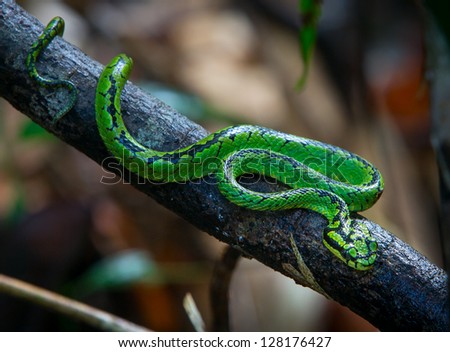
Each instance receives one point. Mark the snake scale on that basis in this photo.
(319, 177)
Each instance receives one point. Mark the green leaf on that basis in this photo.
(31, 130)
(121, 269)
(309, 13)
(187, 104)
(134, 266)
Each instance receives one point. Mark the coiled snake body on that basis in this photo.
(321, 177)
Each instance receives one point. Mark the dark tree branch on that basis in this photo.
(404, 291)
(438, 50)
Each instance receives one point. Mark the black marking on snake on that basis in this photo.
(331, 241)
(134, 148)
(191, 152)
(111, 109)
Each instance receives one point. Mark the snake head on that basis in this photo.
(357, 248)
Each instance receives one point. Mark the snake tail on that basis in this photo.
(54, 28)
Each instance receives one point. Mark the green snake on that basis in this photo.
(320, 177)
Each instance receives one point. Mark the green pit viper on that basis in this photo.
(320, 177)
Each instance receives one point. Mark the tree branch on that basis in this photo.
(404, 291)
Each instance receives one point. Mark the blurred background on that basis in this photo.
(218, 62)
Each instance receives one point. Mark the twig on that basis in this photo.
(193, 313)
(73, 309)
(220, 288)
